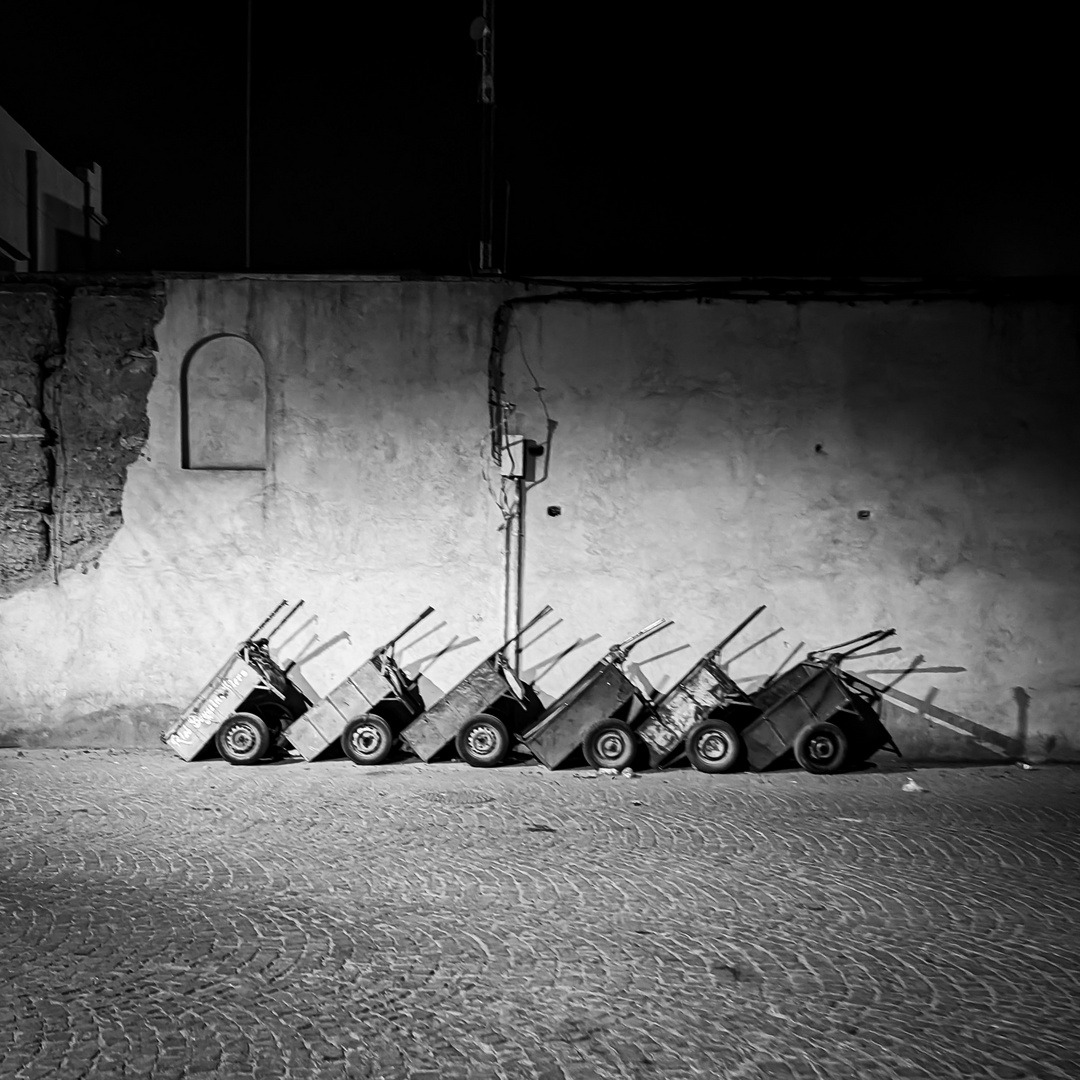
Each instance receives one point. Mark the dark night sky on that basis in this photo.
(635, 140)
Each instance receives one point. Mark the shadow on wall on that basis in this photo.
(548, 664)
(916, 723)
(1023, 700)
(430, 691)
(124, 727)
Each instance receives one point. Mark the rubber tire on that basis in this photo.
(721, 758)
(810, 742)
(491, 728)
(379, 751)
(599, 745)
(253, 741)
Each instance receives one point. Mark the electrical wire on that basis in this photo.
(507, 508)
(497, 434)
(537, 388)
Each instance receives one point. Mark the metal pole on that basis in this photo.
(247, 149)
(487, 139)
(508, 583)
(521, 489)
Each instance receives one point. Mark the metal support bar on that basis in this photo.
(485, 45)
(285, 619)
(739, 629)
(521, 488)
(266, 621)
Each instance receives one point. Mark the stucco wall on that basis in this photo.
(369, 510)
(709, 456)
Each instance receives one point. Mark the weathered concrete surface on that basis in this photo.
(372, 506)
(167, 920)
(76, 366)
(851, 465)
(28, 340)
(873, 464)
(98, 400)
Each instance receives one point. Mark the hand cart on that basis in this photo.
(594, 713)
(679, 721)
(826, 716)
(481, 715)
(245, 707)
(365, 713)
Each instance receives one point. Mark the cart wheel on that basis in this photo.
(713, 746)
(609, 744)
(368, 740)
(483, 741)
(821, 748)
(243, 739)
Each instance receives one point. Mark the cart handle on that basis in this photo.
(285, 620)
(850, 641)
(394, 640)
(618, 652)
(864, 641)
(880, 636)
(255, 633)
(531, 623)
(739, 629)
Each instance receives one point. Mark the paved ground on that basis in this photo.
(163, 919)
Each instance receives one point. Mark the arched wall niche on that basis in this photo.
(223, 406)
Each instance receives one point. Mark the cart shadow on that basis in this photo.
(426, 634)
(543, 633)
(416, 667)
(288, 759)
(306, 657)
(309, 622)
(924, 707)
(657, 688)
(752, 680)
(548, 664)
(752, 646)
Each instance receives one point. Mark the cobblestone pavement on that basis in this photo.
(163, 919)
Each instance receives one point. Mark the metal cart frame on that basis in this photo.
(828, 717)
(365, 713)
(245, 707)
(593, 714)
(706, 689)
(482, 715)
